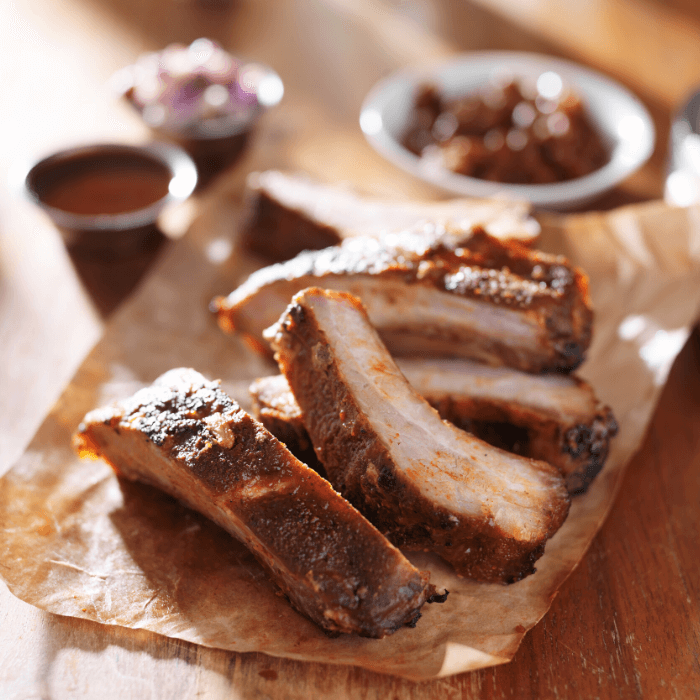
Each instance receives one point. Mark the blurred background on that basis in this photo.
(59, 56)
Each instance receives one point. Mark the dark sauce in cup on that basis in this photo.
(105, 182)
(105, 199)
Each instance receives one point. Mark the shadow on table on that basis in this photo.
(214, 674)
(110, 280)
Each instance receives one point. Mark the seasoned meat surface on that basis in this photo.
(426, 484)
(433, 292)
(552, 417)
(186, 437)
(276, 408)
(291, 212)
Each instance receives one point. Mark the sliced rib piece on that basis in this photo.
(186, 437)
(432, 292)
(276, 408)
(423, 482)
(552, 417)
(288, 213)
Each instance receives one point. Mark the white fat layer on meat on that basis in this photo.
(394, 306)
(449, 467)
(561, 397)
(391, 304)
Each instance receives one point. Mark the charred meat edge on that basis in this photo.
(431, 292)
(287, 213)
(186, 437)
(424, 483)
(554, 418)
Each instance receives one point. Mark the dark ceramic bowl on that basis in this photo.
(106, 199)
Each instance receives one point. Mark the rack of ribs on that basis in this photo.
(436, 292)
(551, 417)
(290, 212)
(423, 482)
(184, 435)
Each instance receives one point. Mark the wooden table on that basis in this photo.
(626, 624)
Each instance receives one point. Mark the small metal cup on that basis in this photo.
(120, 234)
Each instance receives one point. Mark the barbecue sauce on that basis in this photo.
(104, 182)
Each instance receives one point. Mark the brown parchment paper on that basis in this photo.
(76, 541)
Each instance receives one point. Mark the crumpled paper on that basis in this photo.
(77, 541)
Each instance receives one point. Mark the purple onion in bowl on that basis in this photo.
(201, 97)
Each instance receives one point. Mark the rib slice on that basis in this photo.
(276, 408)
(186, 437)
(423, 482)
(291, 212)
(555, 418)
(434, 292)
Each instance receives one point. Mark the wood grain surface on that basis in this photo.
(626, 624)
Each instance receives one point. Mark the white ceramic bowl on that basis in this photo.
(622, 120)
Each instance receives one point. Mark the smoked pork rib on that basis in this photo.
(276, 408)
(186, 437)
(552, 417)
(291, 212)
(433, 292)
(423, 482)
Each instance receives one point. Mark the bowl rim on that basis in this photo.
(626, 156)
(183, 180)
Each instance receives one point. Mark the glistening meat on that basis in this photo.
(552, 417)
(186, 437)
(436, 292)
(424, 483)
